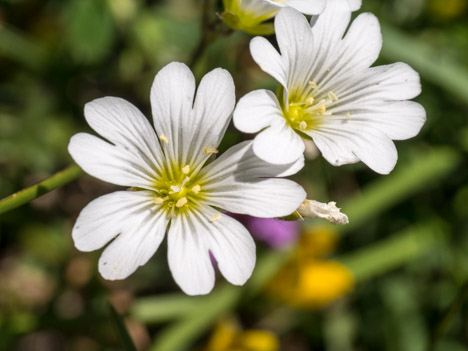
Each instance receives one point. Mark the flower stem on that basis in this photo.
(448, 318)
(211, 29)
(24, 196)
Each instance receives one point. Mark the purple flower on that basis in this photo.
(274, 232)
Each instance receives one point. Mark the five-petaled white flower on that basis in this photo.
(173, 184)
(329, 93)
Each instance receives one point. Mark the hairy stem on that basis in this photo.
(24, 196)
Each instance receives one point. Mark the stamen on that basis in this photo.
(186, 169)
(310, 101)
(209, 150)
(181, 202)
(332, 96)
(303, 125)
(215, 217)
(312, 85)
(196, 189)
(164, 139)
(322, 109)
(348, 115)
(158, 201)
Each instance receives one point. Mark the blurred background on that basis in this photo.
(395, 278)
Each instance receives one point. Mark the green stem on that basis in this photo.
(211, 30)
(448, 318)
(24, 196)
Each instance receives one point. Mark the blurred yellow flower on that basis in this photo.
(308, 280)
(317, 241)
(447, 9)
(228, 336)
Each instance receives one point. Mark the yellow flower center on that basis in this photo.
(307, 113)
(178, 189)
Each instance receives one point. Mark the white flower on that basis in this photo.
(173, 186)
(352, 112)
(250, 15)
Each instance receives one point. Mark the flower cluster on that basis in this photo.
(177, 184)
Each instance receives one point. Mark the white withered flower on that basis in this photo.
(173, 187)
(330, 94)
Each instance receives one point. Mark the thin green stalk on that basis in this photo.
(125, 338)
(448, 318)
(24, 196)
(211, 29)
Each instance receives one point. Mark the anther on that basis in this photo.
(158, 201)
(215, 217)
(312, 85)
(209, 150)
(164, 139)
(322, 109)
(303, 125)
(332, 96)
(310, 101)
(186, 169)
(196, 189)
(181, 202)
(348, 115)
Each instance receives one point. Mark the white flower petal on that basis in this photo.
(103, 218)
(268, 59)
(133, 248)
(235, 182)
(231, 245)
(172, 96)
(188, 256)
(279, 144)
(397, 81)
(343, 145)
(296, 42)
(130, 216)
(211, 115)
(308, 7)
(125, 126)
(354, 5)
(256, 110)
(398, 120)
(359, 49)
(110, 163)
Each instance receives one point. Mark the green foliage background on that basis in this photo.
(407, 241)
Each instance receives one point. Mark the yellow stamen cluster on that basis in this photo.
(177, 190)
(307, 114)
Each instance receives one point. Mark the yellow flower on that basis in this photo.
(228, 336)
(321, 282)
(447, 9)
(308, 280)
(317, 241)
